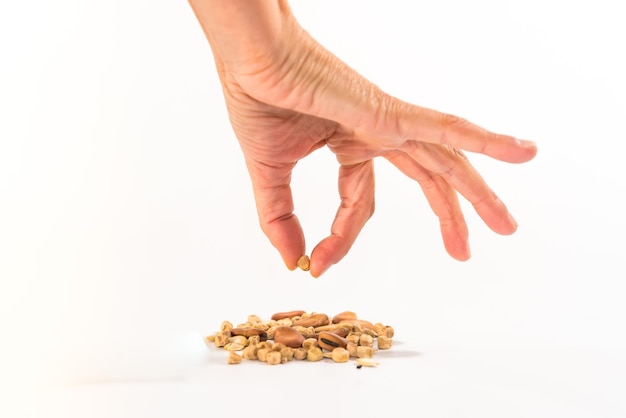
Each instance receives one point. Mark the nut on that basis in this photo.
(288, 336)
(340, 355)
(309, 342)
(286, 354)
(363, 351)
(304, 263)
(262, 353)
(234, 347)
(221, 338)
(273, 357)
(330, 341)
(249, 332)
(315, 320)
(352, 349)
(305, 331)
(366, 340)
(344, 316)
(314, 354)
(233, 358)
(354, 338)
(249, 353)
(283, 315)
(384, 343)
(300, 353)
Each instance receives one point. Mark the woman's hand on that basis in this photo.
(287, 96)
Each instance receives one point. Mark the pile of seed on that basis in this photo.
(300, 335)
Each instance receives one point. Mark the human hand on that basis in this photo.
(287, 96)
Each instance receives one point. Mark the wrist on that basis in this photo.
(245, 34)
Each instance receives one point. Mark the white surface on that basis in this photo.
(128, 229)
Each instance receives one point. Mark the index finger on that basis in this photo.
(274, 203)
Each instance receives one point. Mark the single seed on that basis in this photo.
(286, 354)
(330, 341)
(384, 343)
(249, 332)
(340, 355)
(304, 262)
(221, 338)
(249, 353)
(367, 362)
(261, 353)
(366, 340)
(363, 351)
(283, 315)
(314, 354)
(315, 320)
(288, 337)
(344, 316)
(273, 357)
(233, 347)
(299, 353)
(255, 319)
(234, 358)
(309, 342)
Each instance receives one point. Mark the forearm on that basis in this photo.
(244, 32)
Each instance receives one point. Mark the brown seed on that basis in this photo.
(315, 320)
(330, 341)
(283, 315)
(288, 336)
(358, 324)
(249, 332)
(342, 331)
(344, 316)
(304, 263)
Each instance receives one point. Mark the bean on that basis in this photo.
(288, 336)
(289, 314)
(330, 341)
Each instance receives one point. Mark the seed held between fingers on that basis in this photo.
(304, 263)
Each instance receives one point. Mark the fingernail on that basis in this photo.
(526, 143)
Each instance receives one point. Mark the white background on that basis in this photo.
(128, 229)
